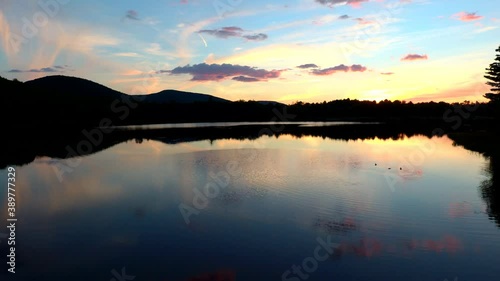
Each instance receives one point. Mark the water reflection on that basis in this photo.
(490, 188)
(26, 145)
(336, 227)
(487, 144)
(119, 207)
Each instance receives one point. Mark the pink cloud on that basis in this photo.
(356, 3)
(363, 21)
(339, 68)
(464, 16)
(472, 92)
(412, 57)
(217, 72)
(352, 3)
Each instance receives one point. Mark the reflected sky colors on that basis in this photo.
(395, 213)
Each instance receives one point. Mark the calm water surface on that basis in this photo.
(283, 208)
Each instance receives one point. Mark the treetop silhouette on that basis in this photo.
(493, 75)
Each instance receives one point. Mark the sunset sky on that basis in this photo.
(303, 50)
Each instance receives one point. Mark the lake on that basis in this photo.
(292, 206)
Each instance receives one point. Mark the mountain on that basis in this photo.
(57, 100)
(74, 86)
(173, 96)
(79, 87)
(270, 102)
(63, 100)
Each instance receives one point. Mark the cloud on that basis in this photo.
(308, 65)
(330, 3)
(182, 43)
(132, 72)
(246, 79)
(363, 21)
(217, 72)
(128, 54)
(339, 68)
(325, 19)
(343, 17)
(412, 57)
(358, 68)
(6, 36)
(81, 41)
(225, 32)
(472, 91)
(233, 28)
(485, 29)
(387, 73)
(464, 16)
(233, 31)
(55, 68)
(132, 15)
(256, 37)
(157, 50)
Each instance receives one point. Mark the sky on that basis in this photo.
(286, 51)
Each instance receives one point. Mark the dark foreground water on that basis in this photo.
(271, 208)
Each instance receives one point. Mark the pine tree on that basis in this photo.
(493, 75)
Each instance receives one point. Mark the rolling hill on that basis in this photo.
(74, 87)
(173, 96)
(64, 100)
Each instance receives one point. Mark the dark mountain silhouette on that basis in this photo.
(57, 100)
(74, 87)
(173, 96)
(72, 101)
(267, 102)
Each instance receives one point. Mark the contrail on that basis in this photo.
(206, 45)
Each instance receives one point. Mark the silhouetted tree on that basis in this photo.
(493, 75)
